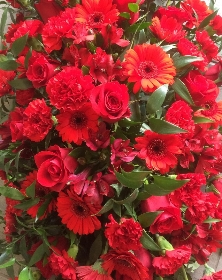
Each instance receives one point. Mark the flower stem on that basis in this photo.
(184, 273)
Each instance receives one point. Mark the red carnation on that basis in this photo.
(69, 89)
(125, 264)
(207, 44)
(74, 126)
(180, 114)
(213, 276)
(111, 101)
(62, 264)
(76, 214)
(16, 124)
(40, 69)
(167, 29)
(172, 261)
(96, 14)
(5, 77)
(54, 167)
(158, 150)
(37, 120)
(125, 235)
(216, 24)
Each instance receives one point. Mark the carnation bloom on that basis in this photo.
(216, 24)
(125, 264)
(62, 264)
(96, 13)
(37, 120)
(69, 89)
(167, 29)
(23, 97)
(125, 235)
(94, 272)
(5, 77)
(76, 214)
(73, 126)
(149, 67)
(158, 150)
(207, 44)
(172, 261)
(213, 276)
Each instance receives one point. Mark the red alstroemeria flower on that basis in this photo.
(96, 13)
(159, 150)
(167, 29)
(149, 67)
(76, 214)
(94, 272)
(99, 139)
(73, 126)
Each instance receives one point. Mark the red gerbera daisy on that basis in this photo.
(149, 67)
(94, 272)
(76, 214)
(159, 150)
(167, 29)
(74, 126)
(126, 264)
(96, 13)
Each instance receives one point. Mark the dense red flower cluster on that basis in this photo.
(110, 138)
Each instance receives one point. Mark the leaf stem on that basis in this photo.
(184, 273)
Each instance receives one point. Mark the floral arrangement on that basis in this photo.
(111, 145)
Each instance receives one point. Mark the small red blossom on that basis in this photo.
(62, 264)
(172, 12)
(16, 124)
(69, 89)
(125, 235)
(37, 120)
(213, 276)
(23, 97)
(99, 139)
(216, 24)
(74, 126)
(125, 264)
(167, 29)
(40, 69)
(76, 214)
(111, 101)
(158, 150)
(96, 14)
(207, 45)
(112, 35)
(5, 77)
(172, 261)
(54, 167)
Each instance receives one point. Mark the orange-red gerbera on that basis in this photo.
(96, 13)
(73, 126)
(149, 67)
(212, 110)
(159, 150)
(94, 272)
(77, 214)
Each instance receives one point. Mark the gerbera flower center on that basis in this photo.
(156, 148)
(80, 209)
(95, 18)
(147, 69)
(211, 108)
(78, 120)
(124, 263)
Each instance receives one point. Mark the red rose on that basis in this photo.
(110, 101)
(40, 69)
(54, 167)
(172, 261)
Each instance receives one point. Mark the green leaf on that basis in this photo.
(154, 189)
(30, 191)
(138, 26)
(85, 70)
(146, 219)
(27, 204)
(143, 195)
(133, 179)
(8, 65)
(96, 249)
(44, 206)
(3, 22)
(78, 152)
(133, 7)
(37, 256)
(106, 207)
(27, 57)
(211, 220)
(207, 20)
(129, 199)
(19, 44)
(148, 242)
(125, 15)
(156, 99)
(167, 48)
(127, 123)
(202, 120)
(21, 83)
(24, 274)
(23, 249)
(8, 263)
(182, 61)
(180, 88)
(164, 127)
(142, 37)
(12, 193)
(136, 175)
(167, 183)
